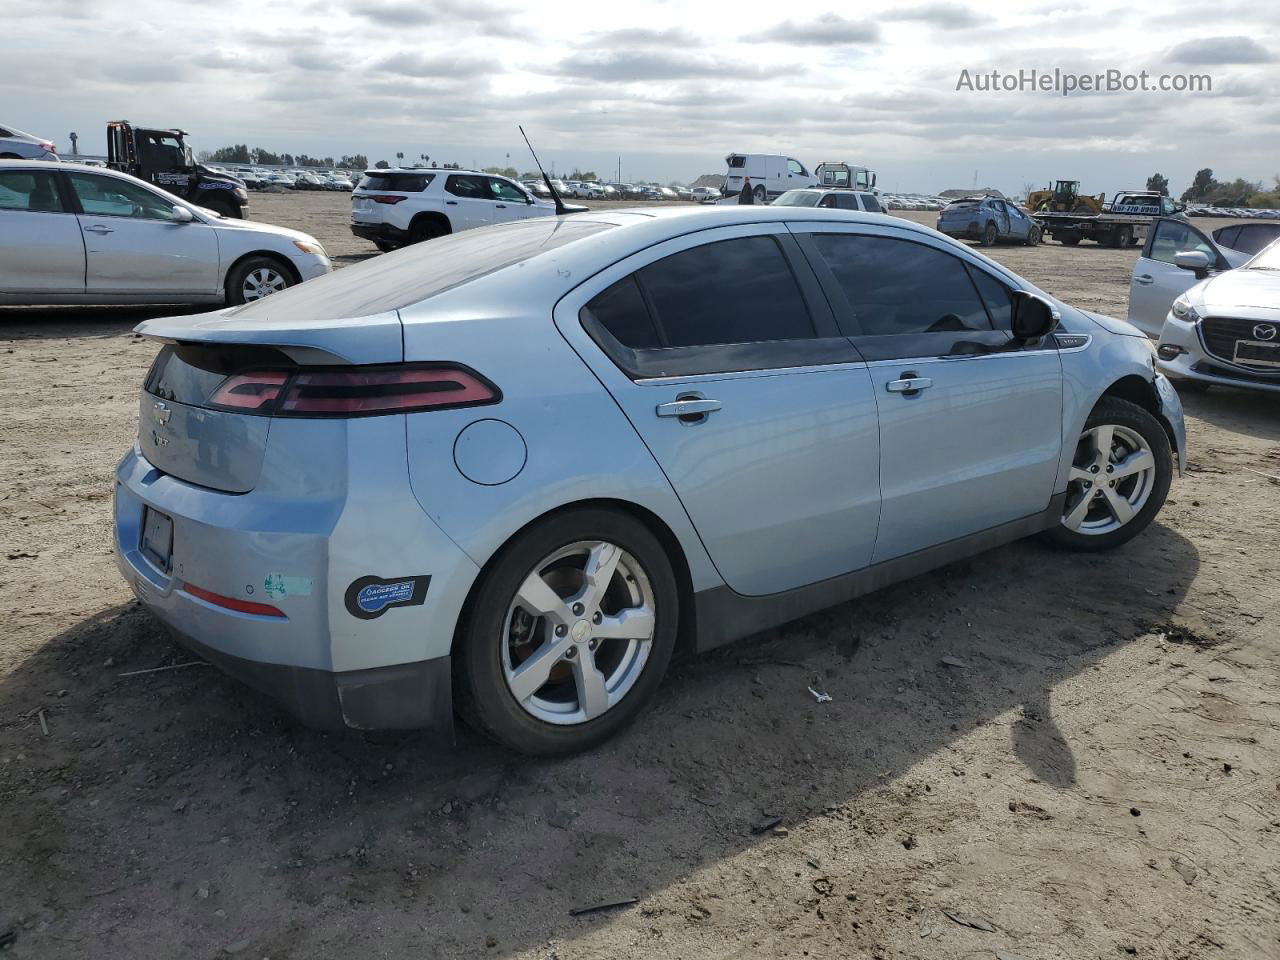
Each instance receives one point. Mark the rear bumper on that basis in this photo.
(312, 551)
(380, 233)
(406, 696)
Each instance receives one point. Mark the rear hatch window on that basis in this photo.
(396, 280)
(397, 182)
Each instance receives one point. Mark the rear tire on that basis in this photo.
(256, 277)
(1114, 493)
(1033, 237)
(759, 194)
(383, 246)
(990, 235)
(1069, 241)
(536, 608)
(426, 229)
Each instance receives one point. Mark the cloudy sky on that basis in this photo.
(668, 87)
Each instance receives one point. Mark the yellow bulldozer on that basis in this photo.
(1064, 197)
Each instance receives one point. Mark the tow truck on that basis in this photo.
(842, 176)
(162, 157)
(1123, 222)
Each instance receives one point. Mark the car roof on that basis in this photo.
(375, 171)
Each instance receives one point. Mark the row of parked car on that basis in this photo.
(1251, 213)
(595, 190)
(300, 178)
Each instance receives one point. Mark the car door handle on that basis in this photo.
(500, 206)
(451, 203)
(909, 385)
(99, 228)
(1145, 280)
(688, 409)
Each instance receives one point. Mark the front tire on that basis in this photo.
(256, 277)
(569, 634)
(759, 194)
(1119, 479)
(990, 235)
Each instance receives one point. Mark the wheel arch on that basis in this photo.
(1142, 392)
(685, 640)
(431, 216)
(279, 258)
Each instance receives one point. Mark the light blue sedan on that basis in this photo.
(509, 473)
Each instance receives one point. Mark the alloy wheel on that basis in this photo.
(578, 633)
(263, 282)
(1112, 476)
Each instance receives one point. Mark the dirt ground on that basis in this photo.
(1100, 778)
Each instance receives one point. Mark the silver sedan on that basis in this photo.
(71, 234)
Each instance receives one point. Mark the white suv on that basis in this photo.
(394, 208)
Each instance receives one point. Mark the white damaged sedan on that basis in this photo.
(74, 235)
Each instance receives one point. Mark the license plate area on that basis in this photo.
(157, 539)
(1256, 353)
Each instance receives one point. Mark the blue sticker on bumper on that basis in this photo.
(371, 597)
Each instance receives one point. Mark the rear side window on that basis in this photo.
(471, 187)
(732, 291)
(871, 204)
(398, 182)
(622, 311)
(737, 162)
(32, 191)
(1255, 236)
(900, 287)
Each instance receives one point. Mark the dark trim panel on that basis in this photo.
(724, 616)
(406, 696)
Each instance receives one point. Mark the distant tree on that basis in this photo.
(502, 171)
(450, 166)
(531, 175)
(382, 165)
(1158, 182)
(583, 175)
(357, 161)
(236, 154)
(204, 156)
(1201, 185)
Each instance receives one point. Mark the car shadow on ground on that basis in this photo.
(156, 802)
(1250, 413)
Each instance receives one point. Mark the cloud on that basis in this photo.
(313, 60)
(953, 15)
(634, 66)
(444, 66)
(1215, 51)
(474, 15)
(642, 37)
(828, 30)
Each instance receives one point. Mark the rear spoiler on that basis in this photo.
(307, 341)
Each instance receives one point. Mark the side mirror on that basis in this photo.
(1197, 261)
(1033, 317)
(182, 215)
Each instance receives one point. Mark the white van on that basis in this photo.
(771, 176)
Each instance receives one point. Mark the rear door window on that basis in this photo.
(470, 187)
(733, 291)
(33, 191)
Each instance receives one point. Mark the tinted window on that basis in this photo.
(399, 182)
(30, 190)
(733, 291)
(1255, 236)
(795, 198)
(997, 297)
(111, 197)
(900, 287)
(737, 162)
(871, 204)
(1227, 236)
(1174, 236)
(622, 311)
(471, 187)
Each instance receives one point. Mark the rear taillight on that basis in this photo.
(353, 391)
(387, 198)
(367, 390)
(250, 391)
